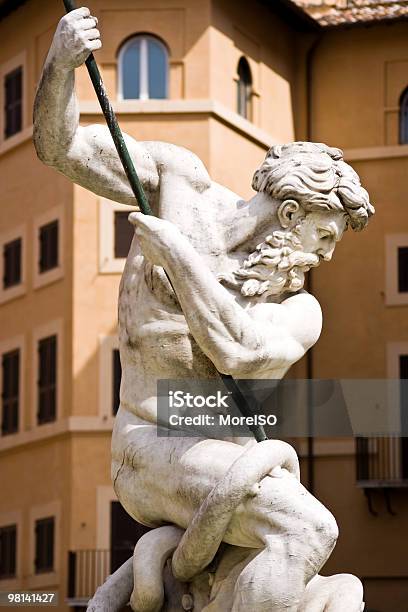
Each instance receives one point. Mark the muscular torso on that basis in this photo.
(155, 341)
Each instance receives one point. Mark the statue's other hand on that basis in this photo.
(75, 38)
(157, 237)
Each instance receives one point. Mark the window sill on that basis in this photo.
(47, 278)
(60, 427)
(112, 266)
(399, 299)
(9, 436)
(48, 579)
(12, 293)
(10, 584)
(16, 140)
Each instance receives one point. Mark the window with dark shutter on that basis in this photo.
(116, 378)
(8, 551)
(10, 392)
(49, 237)
(403, 269)
(13, 107)
(244, 89)
(403, 367)
(12, 263)
(123, 234)
(44, 545)
(47, 379)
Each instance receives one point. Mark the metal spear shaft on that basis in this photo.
(136, 186)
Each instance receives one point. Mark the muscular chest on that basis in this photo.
(152, 325)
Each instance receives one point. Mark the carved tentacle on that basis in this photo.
(203, 536)
(149, 557)
(115, 592)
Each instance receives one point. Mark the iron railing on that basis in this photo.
(382, 462)
(87, 570)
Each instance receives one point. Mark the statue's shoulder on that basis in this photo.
(299, 314)
(304, 315)
(171, 159)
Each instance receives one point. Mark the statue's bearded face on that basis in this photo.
(280, 262)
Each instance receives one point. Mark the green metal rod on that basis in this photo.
(136, 186)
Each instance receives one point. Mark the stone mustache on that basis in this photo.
(233, 527)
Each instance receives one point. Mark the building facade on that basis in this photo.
(226, 80)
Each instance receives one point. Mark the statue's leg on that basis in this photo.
(168, 481)
(273, 581)
(150, 555)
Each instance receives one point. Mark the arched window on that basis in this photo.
(143, 69)
(403, 117)
(244, 89)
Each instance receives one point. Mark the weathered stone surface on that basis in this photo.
(235, 528)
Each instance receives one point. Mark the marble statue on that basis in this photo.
(234, 529)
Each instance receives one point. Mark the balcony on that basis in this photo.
(382, 462)
(87, 570)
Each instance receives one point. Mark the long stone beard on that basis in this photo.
(278, 265)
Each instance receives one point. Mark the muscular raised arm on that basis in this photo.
(87, 155)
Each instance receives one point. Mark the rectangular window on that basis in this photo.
(10, 392)
(116, 378)
(44, 545)
(13, 106)
(47, 380)
(123, 234)
(49, 236)
(8, 551)
(403, 366)
(403, 269)
(12, 263)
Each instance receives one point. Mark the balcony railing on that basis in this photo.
(87, 569)
(382, 462)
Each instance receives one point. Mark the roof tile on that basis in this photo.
(329, 13)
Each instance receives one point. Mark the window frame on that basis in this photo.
(50, 578)
(54, 328)
(7, 346)
(44, 522)
(12, 527)
(40, 279)
(47, 386)
(394, 297)
(116, 225)
(12, 399)
(16, 103)
(14, 291)
(5, 69)
(6, 519)
(143, 67)
(403, 116)
(48, 230)
(243, 61)
(108, 263)
(114, 407)
(107, 344)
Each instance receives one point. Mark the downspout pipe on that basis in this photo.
(310, 58)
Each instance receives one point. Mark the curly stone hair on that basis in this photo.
(317, 177)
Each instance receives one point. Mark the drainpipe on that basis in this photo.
(310, 56)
